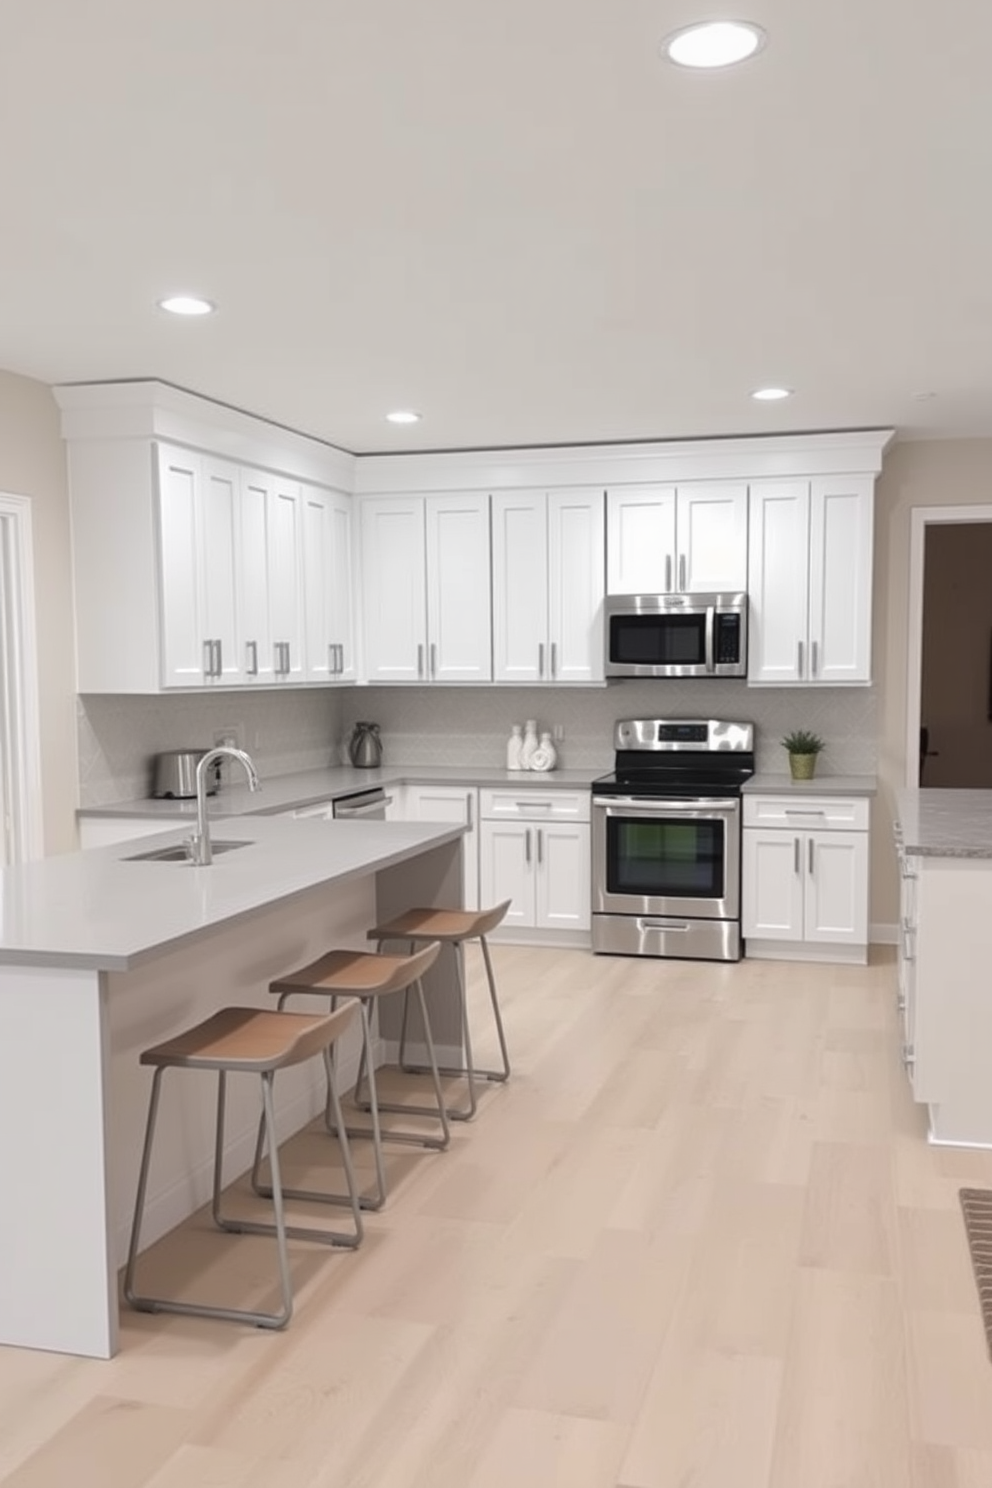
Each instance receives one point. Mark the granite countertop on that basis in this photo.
(820, 785)
(98, 910)
(945, 823)
(308, 788)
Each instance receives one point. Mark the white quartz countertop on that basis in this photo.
(820, 785)
(290, 792)
(945, 823)
(96, 909)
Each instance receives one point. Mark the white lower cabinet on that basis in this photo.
(534, 850)
(449, 803)
(804, 878)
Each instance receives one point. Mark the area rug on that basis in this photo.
(976, 1204)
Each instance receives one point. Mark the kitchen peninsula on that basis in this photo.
(102, 954)
(944, 845)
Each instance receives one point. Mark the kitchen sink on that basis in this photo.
(178, 854)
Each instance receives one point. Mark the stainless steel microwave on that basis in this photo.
(676, 635)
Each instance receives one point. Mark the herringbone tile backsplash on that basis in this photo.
(288, 730)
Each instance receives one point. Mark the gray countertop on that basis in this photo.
(945, 823)
(98, 910)
(289, 792)
(820, 785)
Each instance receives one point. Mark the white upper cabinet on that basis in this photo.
(327, 588)
(810, 564)
(426, 588)
(198, 548)
(690, 538)
(548, 582)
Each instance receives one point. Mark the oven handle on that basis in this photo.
(637, 806)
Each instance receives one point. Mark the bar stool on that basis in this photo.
(454, 927)
(369, 976)
(246, 1040)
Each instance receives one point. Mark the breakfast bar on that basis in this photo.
(104, 952)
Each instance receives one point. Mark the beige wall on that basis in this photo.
(32, 464)
(928, 473)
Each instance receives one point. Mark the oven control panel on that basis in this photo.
(697, 735)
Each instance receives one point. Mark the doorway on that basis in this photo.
(949, 691)
(20, 758)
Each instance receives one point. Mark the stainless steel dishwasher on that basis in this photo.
(369, 804)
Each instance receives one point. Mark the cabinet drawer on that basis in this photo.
(534, 805)
(808, 813)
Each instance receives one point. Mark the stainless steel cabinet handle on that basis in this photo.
(554, 659)
(251, 665)
(799, 667)
(811, 855)
(682, 572)
(219, 662)
(340, 650)
(527, 846)
(795, 854)
(813, 659)
(420, 659)
(540, 659)
(540, 846)
(469, 811)
(668, 573)
(433, 659)
(208, 658)
(332, 659)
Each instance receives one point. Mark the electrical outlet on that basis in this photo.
(559, 733)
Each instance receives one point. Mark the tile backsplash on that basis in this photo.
(303, 729)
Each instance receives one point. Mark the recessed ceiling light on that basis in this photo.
(714, 43)
(403, 416)
(771, 394)
(187, 305)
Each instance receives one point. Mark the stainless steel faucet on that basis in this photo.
(198, 845)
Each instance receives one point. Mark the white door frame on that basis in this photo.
(21, 831)
(922, 517)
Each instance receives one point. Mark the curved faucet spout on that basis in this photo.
(198, 846)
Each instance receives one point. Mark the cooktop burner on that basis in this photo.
(682, 758)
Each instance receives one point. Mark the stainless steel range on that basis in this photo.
(666, 839)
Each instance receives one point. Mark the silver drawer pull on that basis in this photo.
(679, 925)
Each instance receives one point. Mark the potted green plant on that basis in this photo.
(803, 747)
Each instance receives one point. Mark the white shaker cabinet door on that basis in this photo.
(640, 540)
(711, 538)
(772, 885)
(506, 869)
(520, 587)
(198, 557)
(286, 580)
(458, 589)
(576, 584)
(256, 629)
(394, 589)
(329, 642)
(562, 876)
(840, 574)
(837, 887)
(778, 581)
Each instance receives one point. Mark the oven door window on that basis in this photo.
(666, 858)
(658, 640)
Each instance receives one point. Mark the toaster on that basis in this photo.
(175, 774)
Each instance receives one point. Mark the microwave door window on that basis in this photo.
(658, 640)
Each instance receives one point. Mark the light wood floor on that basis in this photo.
(699, 1241)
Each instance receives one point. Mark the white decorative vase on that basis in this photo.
(529, 743)
(513, 747)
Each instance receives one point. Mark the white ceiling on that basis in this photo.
(514, 217)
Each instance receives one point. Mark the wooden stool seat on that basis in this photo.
(454, 927)
(240, 1040)
(368, 976)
